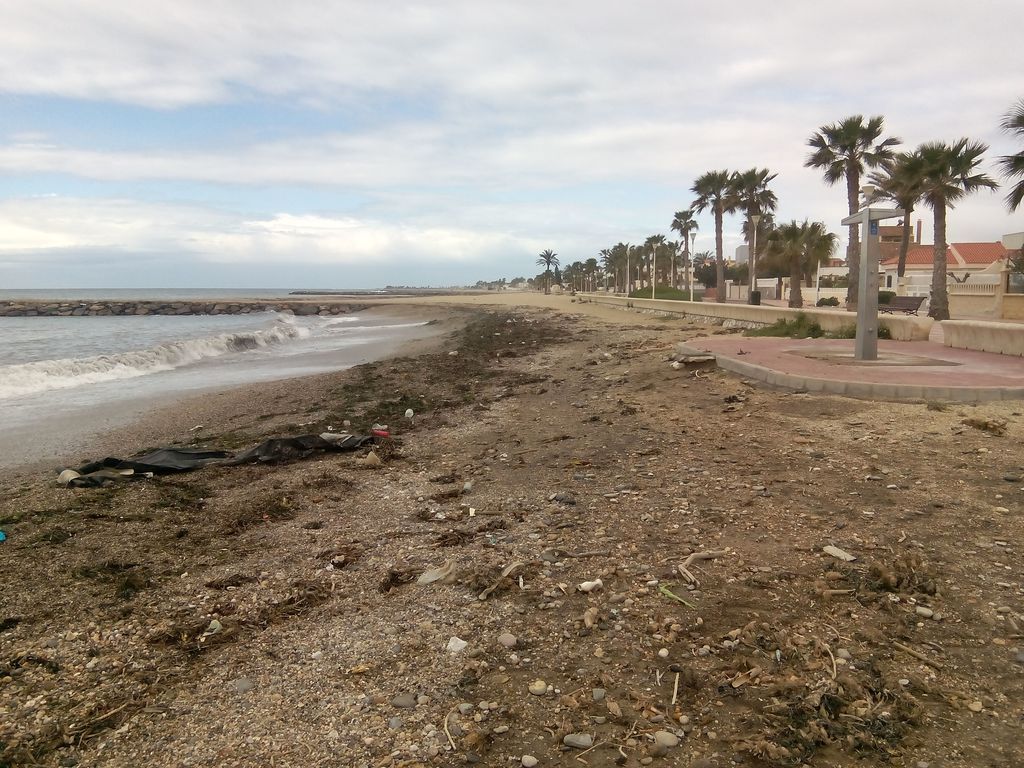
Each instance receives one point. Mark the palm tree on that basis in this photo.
(800, 248)
(750, 189)
(950, 174)
(685, 223)
(547, 259)
(713, 192)
(900, 180)
(1012, 166)
(844, 150)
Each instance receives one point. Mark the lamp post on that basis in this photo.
(755, 219)
(866, 344)
(654, 267)
(689, 263)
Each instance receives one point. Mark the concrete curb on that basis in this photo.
(866, 390)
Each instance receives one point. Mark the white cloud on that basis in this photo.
(63, 229)
(518, 126)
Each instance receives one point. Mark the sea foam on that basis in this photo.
(46, 375)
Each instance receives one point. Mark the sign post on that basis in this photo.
(866, 345)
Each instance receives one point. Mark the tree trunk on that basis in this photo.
(547, 281)
(719, 260)
(796, 298)
(853, 248)
(901, 265)
(938, 307)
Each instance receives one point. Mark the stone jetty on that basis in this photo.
(108, 308)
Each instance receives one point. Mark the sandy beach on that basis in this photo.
(624, 565)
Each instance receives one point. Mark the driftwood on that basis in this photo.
(918, 655)
(696, 557)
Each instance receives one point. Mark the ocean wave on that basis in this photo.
(45, 375)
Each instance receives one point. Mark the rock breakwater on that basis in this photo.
(108, 308)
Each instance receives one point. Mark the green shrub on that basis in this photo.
(802, 327)
(830, 301)
(884, 297)
(665, 292)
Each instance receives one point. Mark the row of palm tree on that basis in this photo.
(937, 174)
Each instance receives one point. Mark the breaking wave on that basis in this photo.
(45, 375)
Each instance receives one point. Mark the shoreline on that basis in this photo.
(141, 422)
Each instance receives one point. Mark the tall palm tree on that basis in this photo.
(950, 173)
(685, 223)
(754, 198)
(901, 181)
(547, 259)
(1012, 166)
(713, 190)
(844, 150)
(800, 248)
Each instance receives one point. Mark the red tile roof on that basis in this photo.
(958, 254)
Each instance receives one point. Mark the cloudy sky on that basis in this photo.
(251, 143)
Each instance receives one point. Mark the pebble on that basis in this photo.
(538, 687)
(663, 653)
(975, 706)
(843, 654)
(1004, 609)
(466, 708)
(598, 694)
(666, 738)
(395, 723)
(242, 685)
(456, 645)
(578, 740)
(507, 640)
(528, 761)
(404, 701)
(924, 611)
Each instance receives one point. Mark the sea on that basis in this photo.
(64, 379)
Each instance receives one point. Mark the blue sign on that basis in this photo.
(873, 228)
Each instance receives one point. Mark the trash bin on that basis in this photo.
(755, 298)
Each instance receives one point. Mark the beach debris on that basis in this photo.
(410, 415)
(3, 537)
(993, 426)
(590, 586)
(662, 589)
(456, 645)
(696, 557)
(380, 430)
(838, 554)
(444, 574)
(508, 570)
(370, 460)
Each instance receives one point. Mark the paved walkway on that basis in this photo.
(908, 370)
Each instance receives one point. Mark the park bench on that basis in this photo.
(908, 305)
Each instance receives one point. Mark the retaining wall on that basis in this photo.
(107, 308)
(1004, 338)
(902, 328)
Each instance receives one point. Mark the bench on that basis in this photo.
(908, 305)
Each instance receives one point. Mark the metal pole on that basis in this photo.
(654, 268)
(866, 345)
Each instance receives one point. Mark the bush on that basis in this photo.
(802, 327)
(830, 301)
(884, 297)
(665, 292)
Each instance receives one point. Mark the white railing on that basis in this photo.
(972, 289)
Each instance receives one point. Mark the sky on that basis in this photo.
(255, 144)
